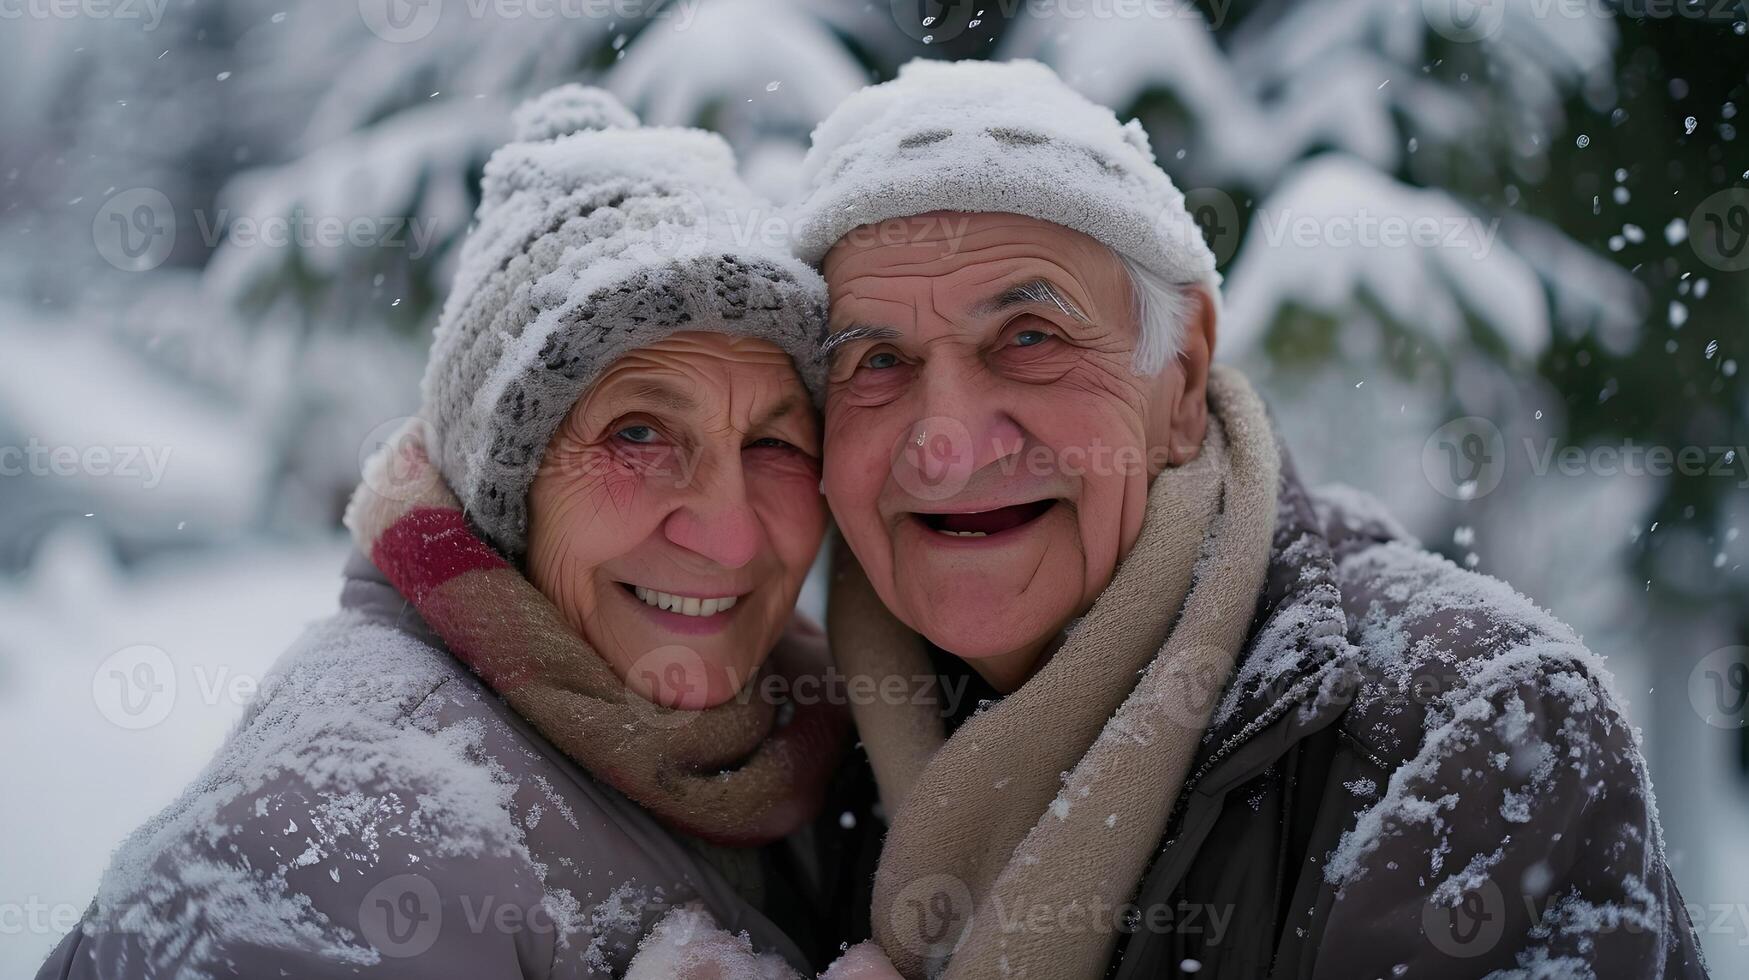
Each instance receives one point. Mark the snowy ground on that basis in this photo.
(114, 690)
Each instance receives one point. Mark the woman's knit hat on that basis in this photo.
(594, 237)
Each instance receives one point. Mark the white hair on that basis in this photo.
(1161, 311)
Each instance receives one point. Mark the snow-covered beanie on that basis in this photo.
(1001, 137)
(594, 237)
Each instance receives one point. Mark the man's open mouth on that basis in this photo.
(985, 523)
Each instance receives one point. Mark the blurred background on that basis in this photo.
(1485, 258)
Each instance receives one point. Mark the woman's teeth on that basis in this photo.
(964, 534)
(684, 605)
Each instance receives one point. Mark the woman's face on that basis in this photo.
(677, 510)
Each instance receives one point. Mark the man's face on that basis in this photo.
(988, 446)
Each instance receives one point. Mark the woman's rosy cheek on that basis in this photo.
(786, 490)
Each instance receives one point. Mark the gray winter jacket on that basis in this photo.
(379, 812)
(1415, 773)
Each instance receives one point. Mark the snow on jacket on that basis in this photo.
(1415, 772)
(379, 812)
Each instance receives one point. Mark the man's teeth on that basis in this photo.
(966, 534)
(684, 605)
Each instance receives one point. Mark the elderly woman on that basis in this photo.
(550, 719)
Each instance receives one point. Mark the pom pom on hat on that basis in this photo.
(570, 109)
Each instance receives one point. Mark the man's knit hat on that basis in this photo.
(594, 237)
(1010, 137)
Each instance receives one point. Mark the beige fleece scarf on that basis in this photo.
(1014, 843)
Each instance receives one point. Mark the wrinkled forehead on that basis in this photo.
(950, 260)
(700, 373)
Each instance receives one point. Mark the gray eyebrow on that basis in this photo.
(856, 331)
(1038, 292)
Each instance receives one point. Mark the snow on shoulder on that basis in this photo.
(1510, 763)
(337, 773)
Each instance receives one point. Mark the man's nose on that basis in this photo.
(716, 521)
(962, 425)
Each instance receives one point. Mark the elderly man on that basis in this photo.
(1226, 727)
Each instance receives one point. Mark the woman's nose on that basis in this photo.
(717, 521)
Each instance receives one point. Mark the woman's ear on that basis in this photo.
(1178, 416)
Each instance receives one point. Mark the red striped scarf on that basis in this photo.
(733, 774)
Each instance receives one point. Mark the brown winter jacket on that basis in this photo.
(1432, 779)
(379, 812)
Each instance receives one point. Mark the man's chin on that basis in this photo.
(976, 625)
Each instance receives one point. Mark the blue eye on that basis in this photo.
(638, 434)
(1030, 338)
(882, 360)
